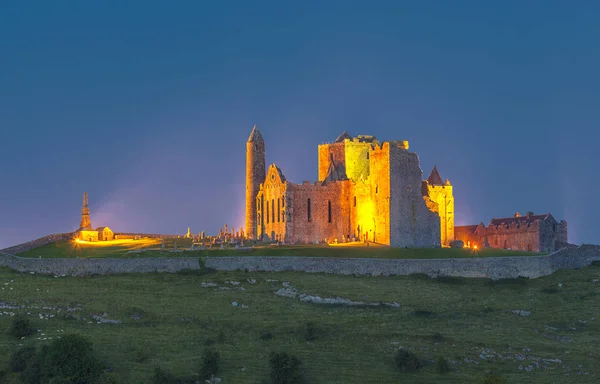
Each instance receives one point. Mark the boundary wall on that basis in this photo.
(489, 267)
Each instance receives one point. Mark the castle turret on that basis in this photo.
(441, 192)
(255, 176)
(85, 223)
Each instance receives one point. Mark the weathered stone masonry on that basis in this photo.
(493, 267)
(367, 190)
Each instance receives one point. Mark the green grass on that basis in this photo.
(69, 249)
(168, 318)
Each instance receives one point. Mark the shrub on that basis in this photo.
(285, 369)
(437, 337)
(109, 378)
(21, 327)
(310, 331)
(420, 313)
(32, 373)
(442, 365)
(451, 280)
(549, 290)
(407, 361)
(21, 358)
(210, 364)
(493, 378)
(70, 357)
(162, 377)
(210, 342)
(266, 335)
(221, 336)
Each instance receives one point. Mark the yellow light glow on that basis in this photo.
(475, 247)
(77, 241)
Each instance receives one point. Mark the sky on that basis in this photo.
(147, 105)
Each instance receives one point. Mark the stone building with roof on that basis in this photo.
(85, 231)
(367, 190)
(529, 232)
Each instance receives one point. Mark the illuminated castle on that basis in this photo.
(367, 190)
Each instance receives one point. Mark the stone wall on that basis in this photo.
(492, 267)
(82, 267)
(412, 223)
(37, 243)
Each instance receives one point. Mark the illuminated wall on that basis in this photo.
(442, 196)
(271, 206)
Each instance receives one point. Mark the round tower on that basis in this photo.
(255, 176)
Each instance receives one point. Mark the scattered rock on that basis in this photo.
(521, 312)
(251, 281)
(207, 285)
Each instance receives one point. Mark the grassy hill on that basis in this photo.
(151, 248)
(170, 319)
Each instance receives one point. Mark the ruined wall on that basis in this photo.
(376, 222)
(443, 196)
(471, 235)
(358, 160)
(513, 236)
(317, 227)
(552, 232)
(328, 151)
(271, 206)
(412, 223)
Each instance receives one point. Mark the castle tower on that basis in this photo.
(441, 192)
(255, 176)
(85, 223)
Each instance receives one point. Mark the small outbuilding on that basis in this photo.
(105, 234)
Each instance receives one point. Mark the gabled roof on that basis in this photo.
(435, 178)
(342, 137)
(274, 173)
(529, 218)
(255, 136)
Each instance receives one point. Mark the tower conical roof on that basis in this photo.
(435, 178)
(255, 135)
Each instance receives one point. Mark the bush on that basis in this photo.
(162, 377)
(109, 378)
(21, 358)
(266, 335)
(437, 337)
(285, 369)
(210, 364)
(221, 336)
(493, 378)
(311, 331)
(70, 357)
(549, 290)
(21, 327)
(443, 366)
(407, 361)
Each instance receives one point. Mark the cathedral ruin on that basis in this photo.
(367, 190)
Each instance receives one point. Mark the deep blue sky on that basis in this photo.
(147, 105)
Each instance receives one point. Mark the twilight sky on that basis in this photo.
(147, 105)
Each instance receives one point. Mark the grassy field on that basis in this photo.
(124, 249)
(168, 320)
